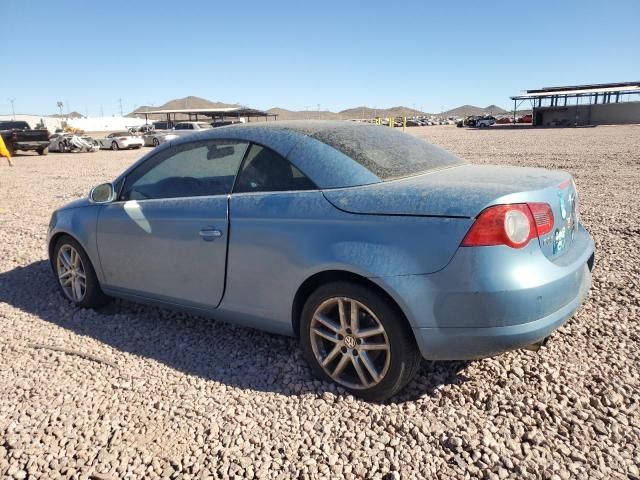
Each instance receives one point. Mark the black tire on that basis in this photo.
(404, 354)
(115, 146)
(156, 142)
(62, 147)
(93, 296)
(43, 151)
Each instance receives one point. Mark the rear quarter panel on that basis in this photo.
(278, 240)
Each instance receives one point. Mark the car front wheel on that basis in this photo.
(352, 336)
(115, 146)
(76, 277)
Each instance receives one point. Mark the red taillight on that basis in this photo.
(543, 216)
(512, 225)
(123, 138)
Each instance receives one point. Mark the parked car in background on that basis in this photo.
(485, 121)
(18, 135)
(120, 141)
(69, 142)
(504, 120)
(187, 128)
(223, 123)
(154, 138)
(528, 118)
(373, 246)
(141, 129)
(162, 125)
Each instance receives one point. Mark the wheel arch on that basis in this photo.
(54, 239)
(328, 276)
(57, 236)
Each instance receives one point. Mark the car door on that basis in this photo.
(165, 237)
(271, 211)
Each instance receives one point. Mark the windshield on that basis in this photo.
(387, 153)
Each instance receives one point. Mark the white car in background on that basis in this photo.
(120, 141)
(154, 138)
(485, 121)
(187, 128)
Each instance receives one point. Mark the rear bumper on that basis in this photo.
(469, 343)
(35, 145)
(488, 300)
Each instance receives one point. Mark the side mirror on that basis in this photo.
(102, 193)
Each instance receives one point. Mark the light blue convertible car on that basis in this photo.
(374, 247)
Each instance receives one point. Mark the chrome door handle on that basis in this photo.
(208, 234)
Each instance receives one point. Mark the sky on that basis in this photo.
(305, 55)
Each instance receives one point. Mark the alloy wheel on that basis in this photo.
(350, 343)
(71, 273)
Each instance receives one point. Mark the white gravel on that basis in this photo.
(146, 393)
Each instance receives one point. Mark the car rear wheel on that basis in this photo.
(156, 142)
(114, 146)
(352, 336)
(76, 277)
(43, 151)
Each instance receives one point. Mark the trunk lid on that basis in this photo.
(464, 191)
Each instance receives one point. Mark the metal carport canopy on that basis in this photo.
(212, 112)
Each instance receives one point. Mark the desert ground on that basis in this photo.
(132, 391)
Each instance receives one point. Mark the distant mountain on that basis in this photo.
(284, 114)
(351, 113)
(183, 103)
(70, 115)
(466, 110)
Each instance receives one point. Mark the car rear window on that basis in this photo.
(387, 153)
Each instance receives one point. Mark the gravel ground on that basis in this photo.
(134, 391)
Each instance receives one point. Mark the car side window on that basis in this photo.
(193, 169)
(263, 170)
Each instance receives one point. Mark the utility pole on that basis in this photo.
(121, 113)
(318, 111)
(13, 110)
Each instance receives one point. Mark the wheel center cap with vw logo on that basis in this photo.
(349, 341)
